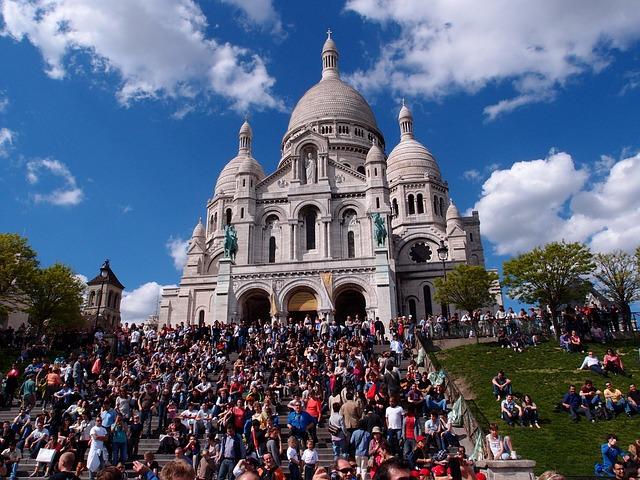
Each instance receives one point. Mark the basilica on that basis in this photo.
(305, 233)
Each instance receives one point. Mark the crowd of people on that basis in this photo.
(214, 398)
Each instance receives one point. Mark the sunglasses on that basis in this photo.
(345, 470)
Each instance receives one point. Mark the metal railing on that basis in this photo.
(470, 424)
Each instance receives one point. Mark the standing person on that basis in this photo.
(95, 459)
(394, 415)
(309, 459)
(146, 404)
(299, 422)
(338, 432)
(360, 439)
(11, 384)
(231, 451)
(410, 431)
(118, 441)
(294, 458)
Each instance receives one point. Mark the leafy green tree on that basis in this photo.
(468, 288)
(18, 265)
(550, 276)
(54, 299)
(617, 277)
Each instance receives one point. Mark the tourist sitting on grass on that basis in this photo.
(615, 401)
(572, 403)
(633, 398)
(499, 446)
(591, 397)
(503, 340)
(530, 412)
(501, 386)
(565, 344)
(611, 454)
(510, 411)
(575, 342)
(613, 363)
(592, 363)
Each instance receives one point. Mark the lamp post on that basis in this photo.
(443, 254)
(104, 273)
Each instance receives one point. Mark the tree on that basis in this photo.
(18, 265)
(54, 299)
(618, 278)
(468, 288)
(551, 275)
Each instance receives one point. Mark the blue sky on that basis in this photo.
(116, 117)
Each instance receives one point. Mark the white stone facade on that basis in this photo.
(305, 232)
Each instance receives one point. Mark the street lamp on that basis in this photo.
(104, 273)
(443, 254)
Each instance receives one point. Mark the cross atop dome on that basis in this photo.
(329, 58)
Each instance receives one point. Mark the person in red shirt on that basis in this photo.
(314, 408)
(410, 431)
(11, 384)
(239, 413)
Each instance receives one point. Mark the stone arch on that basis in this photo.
(284, 295)
(310, 232)
(427, 301)
(339, 210)
(213, 264)
(272, 210)
(311, 142)
(350, 299)
(321, 208)
(254, 303)
(350, 233)
(352, 281)
(404, 249)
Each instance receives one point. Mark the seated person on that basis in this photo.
(572, 403)
(613, 363)
(501, 386)
(633, 398)
(499, 446)
(575, 342)
(420, 457)
(503, 340)
(615, 401)
(590, 396)
(610, 454)
(592, 363)
(564, 341)
(436, 399)
(510, 411)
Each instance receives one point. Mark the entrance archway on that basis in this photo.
(350, 302)
(301, 303)
(255, 304)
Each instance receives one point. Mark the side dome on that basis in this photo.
(410, 159)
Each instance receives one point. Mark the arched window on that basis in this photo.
(420, 202)
(229, 214)
(412, 205)
(394, 204)
(360, 169)
(441, 206)
(346, 165)
(435, 205)
(201, 318)
(310, 226)
(351, 245)
(428, 308)
(412, 308)
(92, 298)
(215, 221)
(272, 249)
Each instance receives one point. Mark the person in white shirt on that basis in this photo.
(397, 347)
(95, 459)
(393, 420)
(592, 363)
(310, 459)
(294, 458)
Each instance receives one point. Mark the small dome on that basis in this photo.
(452, 212)
(245, 129)
(227, 180)
(329, 46)
(404, 112)
(410, 160)
(375, 154)
(198, 232)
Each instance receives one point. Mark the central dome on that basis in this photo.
(332, 98)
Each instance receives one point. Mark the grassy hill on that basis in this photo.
(544, 372)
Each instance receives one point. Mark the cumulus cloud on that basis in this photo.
(472, 175)
(67, 195)
(538, 201)
(261, 13)
(159, 48)
(138, 304)
(443, 47)
(177, 248)
(6, 141)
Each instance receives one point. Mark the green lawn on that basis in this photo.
(545, 372)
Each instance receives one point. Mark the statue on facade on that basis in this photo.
(230, 242)
(310, 168)
(379, 230)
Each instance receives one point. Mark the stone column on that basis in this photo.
(385, 287)
(223, 290)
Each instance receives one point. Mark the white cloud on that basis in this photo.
(260, 12)
(632, 82)
(472, 175)
(4, 103)
(159, 48)
(68, 195)
(6, 141)
(138, 304)
(177, 248)
(443, 46)
(538, 201)
(83, 278)
(126, 209)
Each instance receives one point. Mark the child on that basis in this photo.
(294, 459)
(309, 458)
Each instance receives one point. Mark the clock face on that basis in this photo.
(420, 252)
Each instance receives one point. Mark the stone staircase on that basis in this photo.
(27, 465)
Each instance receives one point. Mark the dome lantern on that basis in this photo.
(405, 118)
(330, 58)
(245, 134)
